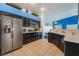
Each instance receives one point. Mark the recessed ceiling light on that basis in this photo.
(42, 9)
(33, 4)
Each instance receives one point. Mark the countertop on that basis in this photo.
(72, 38)
(69, 36)
(57, 33)
(32, 32)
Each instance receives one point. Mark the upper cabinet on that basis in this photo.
(38, 23)
(26, 22)
(35, 23)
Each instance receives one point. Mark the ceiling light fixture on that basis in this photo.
(33, 4)
(42, 9)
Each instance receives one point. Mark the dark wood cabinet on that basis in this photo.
(39, 35)
(38, 23)
(71, 49)
(30, 37)
(26, 38)
(56, 39)
(26, 22)
(32, 23)
(35, 23)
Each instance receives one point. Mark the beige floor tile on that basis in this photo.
(37, 48)
(29, 53)
(52, 49)
(29, 49)
(17, 51)
(26, 50)
(51, 45)
(19, 54)
(8, 54)
(27, 45)
(47, 54)
(51, 53)
(59, 53)
(41, 51)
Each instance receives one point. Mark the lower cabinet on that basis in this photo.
(26, 38)
(71, 49)
(56, 39)
(30, 37)
(39, 35)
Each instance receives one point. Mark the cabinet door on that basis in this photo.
(6, 36)
(27, 38)
(27, 22)
(62, 45)
(17, 33)
(50, 38)
(71, 49)
(39, 35)
(39, 24)
(24, 22)
(32, 23)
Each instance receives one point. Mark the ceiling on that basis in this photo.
(53, 11)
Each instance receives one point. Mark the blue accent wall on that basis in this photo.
(12, 10)
(66, 21)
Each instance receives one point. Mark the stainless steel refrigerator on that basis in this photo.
(10, 33)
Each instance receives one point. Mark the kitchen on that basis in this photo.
(24, 33)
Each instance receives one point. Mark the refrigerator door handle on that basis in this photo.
(12, 33)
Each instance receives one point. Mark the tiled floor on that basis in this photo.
(37, 48)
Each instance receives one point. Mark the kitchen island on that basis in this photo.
(72, 45)
(71, 41)
(57, 39)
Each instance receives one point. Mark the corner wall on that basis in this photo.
(66, 21)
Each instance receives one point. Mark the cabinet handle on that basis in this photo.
(62, 40)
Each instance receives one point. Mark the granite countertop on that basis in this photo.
(32, 32)
(57, 33)
(69, 36)
(72, 38)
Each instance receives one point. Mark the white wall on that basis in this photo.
(47, 28)
(72, 27)
(58, 26)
